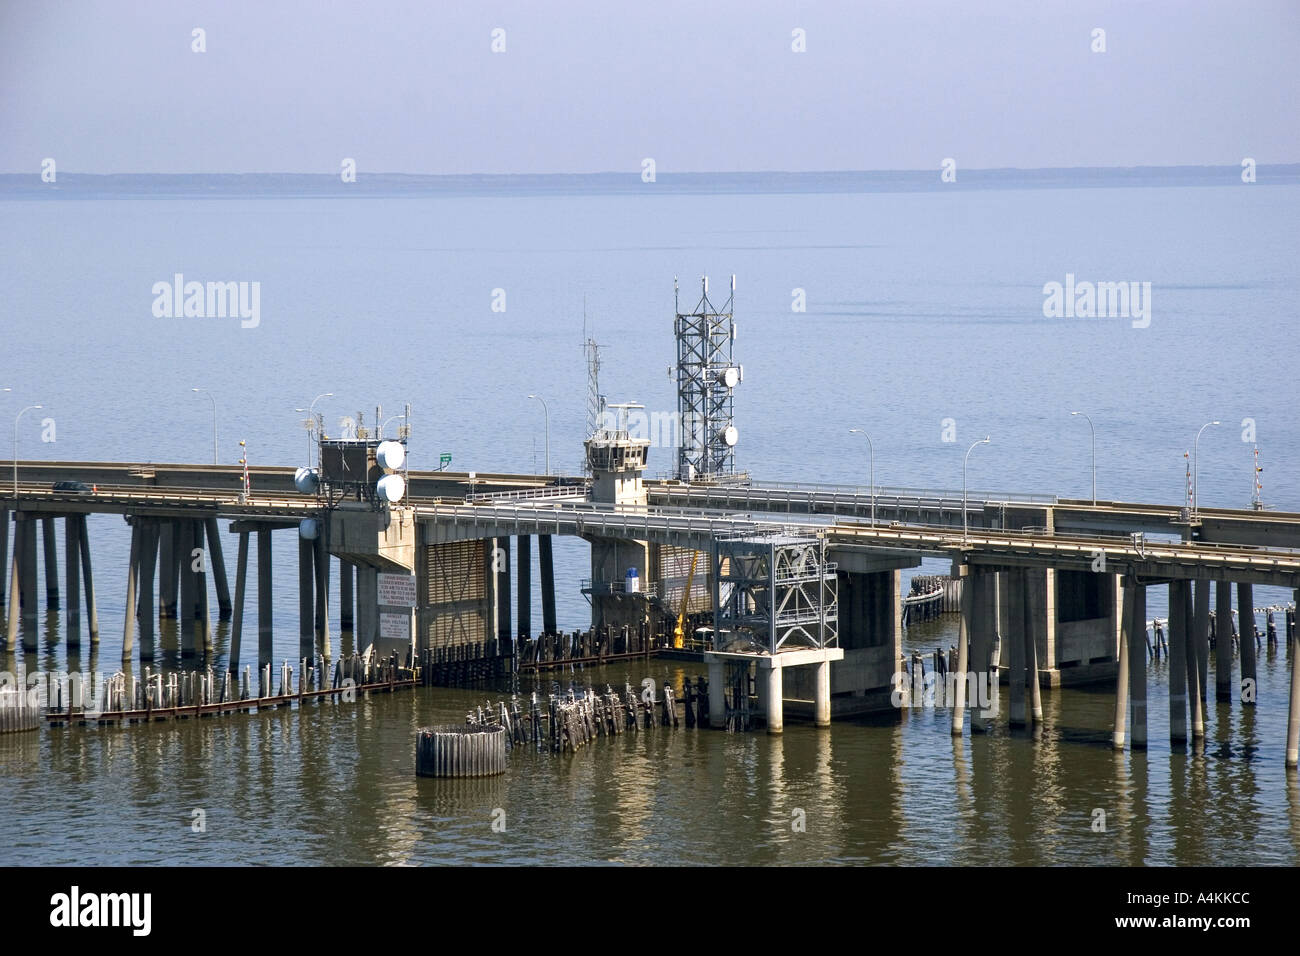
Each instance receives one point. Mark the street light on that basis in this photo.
(311, 423)
(18, 416)
(1194, 444)
(214, 421)
(871, 449)
(982, 441)
(546, 412)
(1093, 433)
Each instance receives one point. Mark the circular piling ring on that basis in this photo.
(460, 751)
(16, 715)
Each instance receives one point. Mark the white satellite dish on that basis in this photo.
(390, 455)
(730, 376)
(308, 529)
(730, 435)
(306, 481)
(391, 488)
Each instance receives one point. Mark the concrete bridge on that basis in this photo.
(1054, 590)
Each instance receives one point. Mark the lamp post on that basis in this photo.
(982, 441)
(215, 458)
(311, 420)
(16, 418)
(546, 412)
(1194, 444)
(871, 450)
(1092, 432)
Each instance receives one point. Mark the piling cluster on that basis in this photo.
(468, 751)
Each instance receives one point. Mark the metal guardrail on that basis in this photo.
(532, 494)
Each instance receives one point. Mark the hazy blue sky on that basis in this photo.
(597, 86)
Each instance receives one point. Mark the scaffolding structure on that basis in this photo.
(706, 381)
(783, 593)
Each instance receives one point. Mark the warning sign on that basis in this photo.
(395, 626)
(397, 590)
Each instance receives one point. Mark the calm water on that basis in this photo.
(921, 306)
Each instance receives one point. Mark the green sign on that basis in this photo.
(444, 460)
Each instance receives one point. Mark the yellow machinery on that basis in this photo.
(678, 637)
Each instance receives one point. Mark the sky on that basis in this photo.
(695, 85)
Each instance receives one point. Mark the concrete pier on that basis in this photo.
(306, 598)
(4, 553)
(203, 605)
(51, 564)
(524, 594)
(265, 631)
(367, 624)
(88, 580)
(1177, 668)
(147, 560)
(1127, 639)
(1035, 703)
(132, 580)
(774, 712)
(1018, 635)
(1195, 692)
(72, 579)
(963, 654)
(168, 545)
(217, 564)
(822, 697)
(1201, 617)
(1246, 627)
(322, 633)
(185, 610)
(982, 634)
(241, 587)
(1223, 641)
(15, 588)
(1137, 669)
(347, 603)
(501, 569)
(717, 692)
(1293, 718)
(28, 584)
(546, 567)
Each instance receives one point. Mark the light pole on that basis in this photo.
(871, 450)
(215, 458)
(1092, 432)
(982, 441)
(18, 416)
(1194, 444)
(311, 420)
(546, 412)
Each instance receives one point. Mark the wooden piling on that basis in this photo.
(469, 751)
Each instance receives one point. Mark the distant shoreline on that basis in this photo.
(396, 185)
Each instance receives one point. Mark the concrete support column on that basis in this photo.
(1201, 622)
(760, 691)
(15, 588)
(1035, 702)
(168, 544)
(1246, 625)
(1126, 639)
(1137, 668)
(27, 583)
(1019, 635)
(265, 633)
(501, 568)
(367, 606)
(241, 586)
(1223, 643)
(203, 609)
(51, 564)
(717, 695)
(322, 598)
(147, 558)
(983, 611)
(776, 702)
(524, 602)
(963, 653)
(1293, 718)
(1195, 693)
(4, 553)
(132, 580)
(189, 590)
(88, 580)
(347, 574)
(217, 561)
(306, 598)
(546, 565)
(1177, 667)
(72, 578)
(822, 695)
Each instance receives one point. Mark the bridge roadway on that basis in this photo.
(525, 505)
